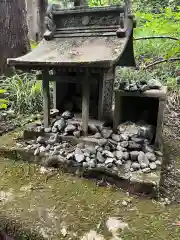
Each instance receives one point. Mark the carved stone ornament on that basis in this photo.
(49, 24)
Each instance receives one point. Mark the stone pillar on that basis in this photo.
(106, 86)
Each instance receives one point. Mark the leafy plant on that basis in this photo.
(24, 92)
(3, 102)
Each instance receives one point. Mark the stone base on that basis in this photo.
(135, 182)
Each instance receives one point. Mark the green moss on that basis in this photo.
(42, 202)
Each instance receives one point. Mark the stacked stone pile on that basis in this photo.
(140, 86)
(127, 148)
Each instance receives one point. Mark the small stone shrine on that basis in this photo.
(79, 53)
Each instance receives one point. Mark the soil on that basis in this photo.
(9, 123)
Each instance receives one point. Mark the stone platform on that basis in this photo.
(122, 176)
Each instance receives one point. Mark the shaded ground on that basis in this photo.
(59, 206)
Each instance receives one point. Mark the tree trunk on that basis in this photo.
(14, 40)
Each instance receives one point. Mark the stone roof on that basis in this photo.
(96, 51)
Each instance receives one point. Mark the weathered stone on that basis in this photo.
(47, 130)
(36, 152)
(125, 156)
(107, 148)
(92, 164)
(97, 135)
(124, 144)
(109, 165)
(137, 140)
(134, 146)
(144, 88)
(77, 134)
(70, 128)
(40, 140)
(54, 129)
(42, 149)
(100, 149)
(152, 166)
(102, 142)
(60, 124)
(100, 157)
(144, 165)
(119, 155)
(93, 129)
(80, 145)
(86, 154)
(116, 137)
(148, 148)
(67, 115)
(127, 166)
(158, 163)
(90, 149)
(58, 148)
(78, 151)
(124, 137)
(151, 156)
(119, 148)
(85, 164)
(88, 159)
(79, 157)
(135, 166)
(52, 140)
(154, 84)
(158, 153)
(70, 156)
(108, 154)
(146, 170)
(100, 165)
(134, 155)
(106, 133)
(143, 160)
(109, 160)
(54, 112)
(119, 163)
(55, 152)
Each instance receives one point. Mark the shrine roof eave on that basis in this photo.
(81, 52)
(18, 64)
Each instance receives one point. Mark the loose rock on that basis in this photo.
(47, 130)
(135, 165)
(102, 142)
(97, 135)
(152, 166)
(108, 154)
(70, 128)
(151, 156)
(124, 144)
(116, 137)
(134, 155)
(106, 133)
(134, 146)
(100, 157)
(143, 160)
(93, 129)
(119, 155)
(79, 157)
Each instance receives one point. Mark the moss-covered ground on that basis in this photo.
(60, 206)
